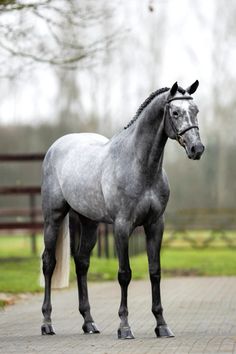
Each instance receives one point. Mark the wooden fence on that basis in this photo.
(25, 219)
(180, 225)
(202, 227)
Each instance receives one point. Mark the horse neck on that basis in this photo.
(150, 137)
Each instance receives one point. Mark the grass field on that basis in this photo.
(19, 271)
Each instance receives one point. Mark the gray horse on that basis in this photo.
(118, 181)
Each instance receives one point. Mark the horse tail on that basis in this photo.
(61, 273)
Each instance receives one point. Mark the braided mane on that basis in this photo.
(148, 100)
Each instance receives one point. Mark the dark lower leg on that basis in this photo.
(84, 306)
(51, 231)
(161, 329)
(49, 263)
(53, 219)
(154, 239)
(82, 259)
(124, 330)
(124, 278)
(157, 309)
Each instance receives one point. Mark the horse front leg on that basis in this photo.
(154, 234)
(124, 277)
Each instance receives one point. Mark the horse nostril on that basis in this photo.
(200, 148)
(197, 149)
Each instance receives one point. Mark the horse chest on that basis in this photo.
(150, 207)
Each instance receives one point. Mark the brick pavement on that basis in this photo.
(200, 311)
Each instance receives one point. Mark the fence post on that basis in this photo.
(113, 241)
(32, 219)
(99, 248)
(106, 239)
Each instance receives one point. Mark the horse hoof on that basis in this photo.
(125, 333)
(90, 327)
(47, 329)
(163, 331)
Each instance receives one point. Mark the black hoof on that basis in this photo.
(125, 333)
(90, 327)
(163, 331)
(47, 329)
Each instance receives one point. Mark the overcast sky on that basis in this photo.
(186, 56)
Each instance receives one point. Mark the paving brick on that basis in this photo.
(200, 311)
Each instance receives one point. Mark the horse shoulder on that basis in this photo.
(156, 197)
(160, 188)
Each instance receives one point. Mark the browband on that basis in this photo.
(179, 98)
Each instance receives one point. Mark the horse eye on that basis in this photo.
(175, 114)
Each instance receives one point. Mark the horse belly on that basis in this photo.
(87, 200)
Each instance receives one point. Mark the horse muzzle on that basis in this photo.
(195, 151)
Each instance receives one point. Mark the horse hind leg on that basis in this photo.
(87, 240)
(74, 226)
(52, 223)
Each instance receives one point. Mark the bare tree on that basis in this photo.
(60, 33)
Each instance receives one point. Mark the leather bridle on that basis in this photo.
(178, 134)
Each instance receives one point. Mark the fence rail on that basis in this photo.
(26, 219)
(214, 226)
(21, 157)
(180, 225)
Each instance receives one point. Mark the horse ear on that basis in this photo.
(191, 89)
(174, 89)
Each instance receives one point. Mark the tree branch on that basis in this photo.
(6, 6)
(61, 33)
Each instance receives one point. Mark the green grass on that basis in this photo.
(19, 275)
(2, 304)
(106, 269)
(18, 246)
(199, 261)
(19, 271)
(174, 262)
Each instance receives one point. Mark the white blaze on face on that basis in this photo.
(187, 117)
(182, 107)
(183, 118)
(187, 113)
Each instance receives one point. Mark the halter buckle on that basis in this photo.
(180, 139)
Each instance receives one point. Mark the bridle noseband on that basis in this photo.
(178, 134)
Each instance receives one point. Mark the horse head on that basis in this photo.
(181, 121)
